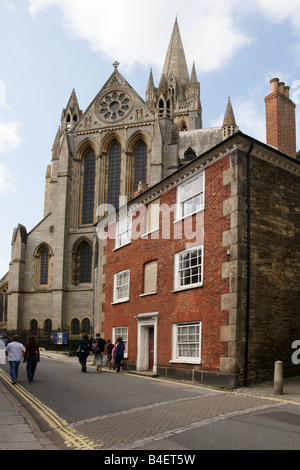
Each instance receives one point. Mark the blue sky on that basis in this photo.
(49, 47)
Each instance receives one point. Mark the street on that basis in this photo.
(124, 412)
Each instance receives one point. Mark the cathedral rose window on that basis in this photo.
(114, 106)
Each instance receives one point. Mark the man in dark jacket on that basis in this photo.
(82, 349)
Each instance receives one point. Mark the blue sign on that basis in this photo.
(60, 338)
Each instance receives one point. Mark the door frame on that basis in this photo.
(146, 321)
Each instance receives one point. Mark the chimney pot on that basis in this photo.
(281, 118)
(274, 84)
(281, 86)
(287, 91)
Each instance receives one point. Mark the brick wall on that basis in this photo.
(281, 123)
(198, 304)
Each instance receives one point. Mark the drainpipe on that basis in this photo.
(248, 261)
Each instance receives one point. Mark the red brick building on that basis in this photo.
(203, 292)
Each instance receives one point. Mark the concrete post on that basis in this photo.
(278, 378)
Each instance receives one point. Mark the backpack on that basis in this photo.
(95, 347)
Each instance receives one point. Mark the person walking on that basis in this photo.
(99, 349)
(14, 352)
(110, 347)
(119, 353)
(83, 347)
(32, 357)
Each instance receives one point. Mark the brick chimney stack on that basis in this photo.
(281, 118)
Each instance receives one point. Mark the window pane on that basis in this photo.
(190, 268)
(122, 286)
(88, 188)
(114, 175)
(75, 330)
(48, 327)
(85, 264)
(188, 341)
(124, 231)
(140, 164)
(44, 267)
(191, 196)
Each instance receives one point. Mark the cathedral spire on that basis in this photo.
(71, 114)
(175, 62)
(150, 92)
(229, 123)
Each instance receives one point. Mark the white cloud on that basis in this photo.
(277, 11)
(6, 180)
(9, 135)
(250, 117)
(136, 32)
(8, 4)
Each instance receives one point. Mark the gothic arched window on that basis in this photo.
(140, 164)
(83, 263)
(43, 256)
(88, 192)
(44, 267)
(114, 174)
(85, 325)
(34, 327)
(75, 326)
(48, 327)
(3, 305)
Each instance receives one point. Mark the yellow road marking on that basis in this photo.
(70, 436)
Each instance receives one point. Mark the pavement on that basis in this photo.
(19, 431)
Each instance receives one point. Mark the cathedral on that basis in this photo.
(185, 241)
(119, 146)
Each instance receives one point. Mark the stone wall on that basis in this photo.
(275, 269)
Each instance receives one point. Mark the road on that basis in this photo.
(124, 412)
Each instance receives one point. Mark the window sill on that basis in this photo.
(148, 293)
(145, 235)
(186, 361)
(123, 301)
(180, 289)
(121, 246)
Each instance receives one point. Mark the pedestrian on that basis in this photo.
(119, 353)
(110, 347)
(99, 349)
(82, 349)
(14, 352)
(32, 357)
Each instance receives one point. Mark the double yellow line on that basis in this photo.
(70, 436)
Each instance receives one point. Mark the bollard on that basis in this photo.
(278, 378)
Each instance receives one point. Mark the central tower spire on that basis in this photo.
(175, 62)
(177, 97)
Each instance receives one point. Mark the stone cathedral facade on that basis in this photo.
(120, 145)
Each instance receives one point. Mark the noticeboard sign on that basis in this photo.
(60, 338)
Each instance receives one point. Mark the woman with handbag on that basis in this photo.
(82, 349)
(119, 353)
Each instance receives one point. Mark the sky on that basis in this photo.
(50, 47)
